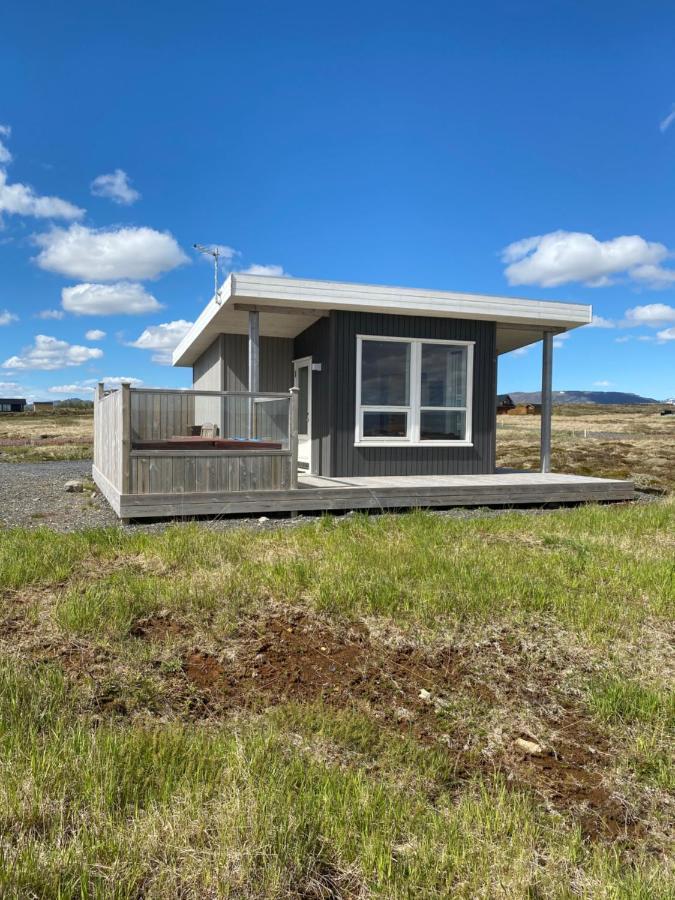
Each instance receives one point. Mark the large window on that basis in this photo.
(412, 391)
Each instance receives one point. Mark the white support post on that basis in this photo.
(253, 365)
(546, 400)
(293, 434)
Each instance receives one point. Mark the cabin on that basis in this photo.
(504, 404)
(12, 405)
(318, 395)
(43, 406)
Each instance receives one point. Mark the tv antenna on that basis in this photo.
(215, 252)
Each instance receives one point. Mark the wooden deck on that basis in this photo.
(314, 494)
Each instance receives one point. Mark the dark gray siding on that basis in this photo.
(276, 363)
(315, 341)
(346, 459)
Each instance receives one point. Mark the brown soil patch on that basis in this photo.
(406, 689)
(157, 628)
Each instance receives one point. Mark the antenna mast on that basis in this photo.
(215, 253)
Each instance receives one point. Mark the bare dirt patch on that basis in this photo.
(407, 689)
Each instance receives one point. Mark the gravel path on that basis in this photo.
(32, 494)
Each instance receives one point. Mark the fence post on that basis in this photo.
(293, 433)
(126, 436)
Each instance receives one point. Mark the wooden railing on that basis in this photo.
(127, 420)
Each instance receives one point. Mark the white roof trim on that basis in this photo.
(266, 290)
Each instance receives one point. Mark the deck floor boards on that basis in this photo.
(316, 493)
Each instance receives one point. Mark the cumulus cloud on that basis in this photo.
(115, 187)
(622, 340)
(108, 254)
(665, 124)
(603, 384)
(5, 155)
(162, 339)
(601, 322)
(49, 353)
(89, 385)
(668, 334)
(6, 317)
(50, 314)
(21, 200)
(653, 314)
(9, 386)
(561, 257)
(95, 334)
(257, 269)
(122, 298)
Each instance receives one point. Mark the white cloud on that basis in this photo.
(89, 384)
(6, 317)
(5, 155)
(9, 386)
(95, 334)
(653, 314)
(563, 256)
(622, 340)
(69, 389)
(108, 254)
(668, 334)
(257, 269)
(601, 322)
(115, 187)
(49, 353)
(162, 339)
(116, 380)
(50, 314)
(21, 200)
(665, 124)
(225, 254)
(122, 298)
(603, 384)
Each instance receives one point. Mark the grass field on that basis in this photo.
(394, 706)
(646, 454)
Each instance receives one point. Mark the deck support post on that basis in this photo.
(125, 387)
(253, 365)
(546, 400)
(293, 433)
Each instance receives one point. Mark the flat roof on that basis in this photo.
(299, 302)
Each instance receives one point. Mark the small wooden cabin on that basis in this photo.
(504, 404)
(331, 395)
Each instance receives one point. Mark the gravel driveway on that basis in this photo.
(33, 494)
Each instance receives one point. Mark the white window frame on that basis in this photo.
(412, 437)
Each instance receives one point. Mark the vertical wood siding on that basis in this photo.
(176, 473)
(157, 417)
(346, 459)
(108, 428)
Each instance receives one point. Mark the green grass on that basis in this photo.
(116, 782)
(46, 453)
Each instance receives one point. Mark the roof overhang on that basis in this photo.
(289, 305)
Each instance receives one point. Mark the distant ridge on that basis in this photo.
(600, 397)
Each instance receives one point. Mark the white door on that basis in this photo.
(303, 379)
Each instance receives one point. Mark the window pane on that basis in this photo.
(443, 375)
(385, 368)
(385, 424)
(442, 426)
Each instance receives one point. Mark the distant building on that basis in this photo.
(12, 405)
(43, 406)
(504, 404)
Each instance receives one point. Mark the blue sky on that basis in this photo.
(524, 149)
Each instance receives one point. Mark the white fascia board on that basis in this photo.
(302, 293)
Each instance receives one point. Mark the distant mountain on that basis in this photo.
(602, 397)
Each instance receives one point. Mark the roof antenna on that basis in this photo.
(215, 253)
